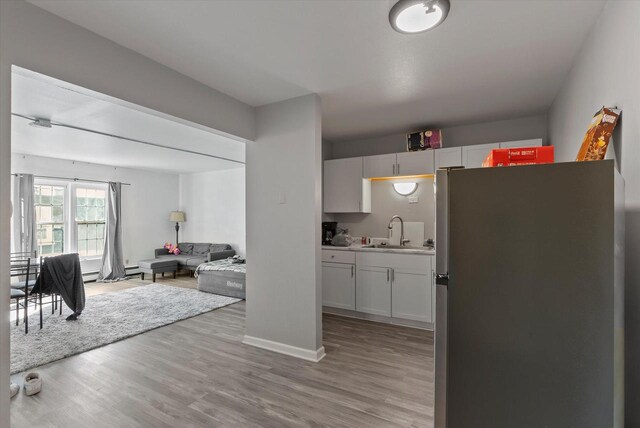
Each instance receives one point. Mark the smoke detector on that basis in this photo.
(41, 123)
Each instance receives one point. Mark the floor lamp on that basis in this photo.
(177, 217)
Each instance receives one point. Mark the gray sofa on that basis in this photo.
(192, 254)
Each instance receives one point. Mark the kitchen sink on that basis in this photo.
(392, 247)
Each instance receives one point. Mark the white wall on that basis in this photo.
(37, 40)
(607, 72)
(523, 128)
(214, 203)
(145, 204)
(283, 229)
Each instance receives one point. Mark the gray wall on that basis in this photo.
(385, 203)
(479, 133)
(283, 238)
(42, 42)
(607, 72)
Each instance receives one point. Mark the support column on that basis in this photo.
(284, 191)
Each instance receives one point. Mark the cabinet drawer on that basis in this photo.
(337, 256)
(419, 263)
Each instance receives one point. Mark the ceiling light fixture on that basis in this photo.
(405, 189)
(416, 16)
(41, 123)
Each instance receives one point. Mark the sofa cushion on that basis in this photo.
(186, 247)
(180, 258)
(201, 249)
(185, 260)
(219, 255)
(214, 248)
(194, 262)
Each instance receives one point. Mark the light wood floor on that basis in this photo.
(197, 373)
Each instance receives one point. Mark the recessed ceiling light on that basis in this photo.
(405, 189)
(416, 16)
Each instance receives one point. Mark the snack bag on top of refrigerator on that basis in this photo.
(596, 140)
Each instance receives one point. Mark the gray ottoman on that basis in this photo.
(155, 266)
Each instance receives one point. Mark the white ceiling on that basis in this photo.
(491, 59)
(34, 95)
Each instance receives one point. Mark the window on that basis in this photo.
(90, 221)
(49, 204)
(70, 218)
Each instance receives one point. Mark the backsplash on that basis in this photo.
(385, 203)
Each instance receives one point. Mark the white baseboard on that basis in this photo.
(283, 348)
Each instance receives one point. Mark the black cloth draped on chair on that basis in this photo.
(62, 275)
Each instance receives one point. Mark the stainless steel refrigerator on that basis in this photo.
(529, 297)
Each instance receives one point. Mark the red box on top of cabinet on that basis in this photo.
(519, 156)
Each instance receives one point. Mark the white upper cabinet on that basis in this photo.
(380, 166)
(536, 142)
(451, 156)
(345, 191)
(399, 164)
(415, 163)
(473, 156)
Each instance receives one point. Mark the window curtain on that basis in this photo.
(112, 258)
(24, 215)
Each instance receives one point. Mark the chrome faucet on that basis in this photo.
(402, 240)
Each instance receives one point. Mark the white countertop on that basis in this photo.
(407, 250)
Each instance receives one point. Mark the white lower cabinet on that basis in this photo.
(373, 290)
(393, 285)
(339, 285)
(411, 295)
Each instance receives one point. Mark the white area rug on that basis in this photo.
(107, 318)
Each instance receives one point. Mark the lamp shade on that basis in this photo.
(177, 216)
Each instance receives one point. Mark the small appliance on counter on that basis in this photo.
(328, 231)
(342, 239)
(429, 244)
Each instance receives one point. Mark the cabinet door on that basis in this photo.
(373, 290)
(415, 163)
(339, 285)
(473, 156)
(343, 185)
(451, 156)
(411, 295)
(380, 166)
(536, 142)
